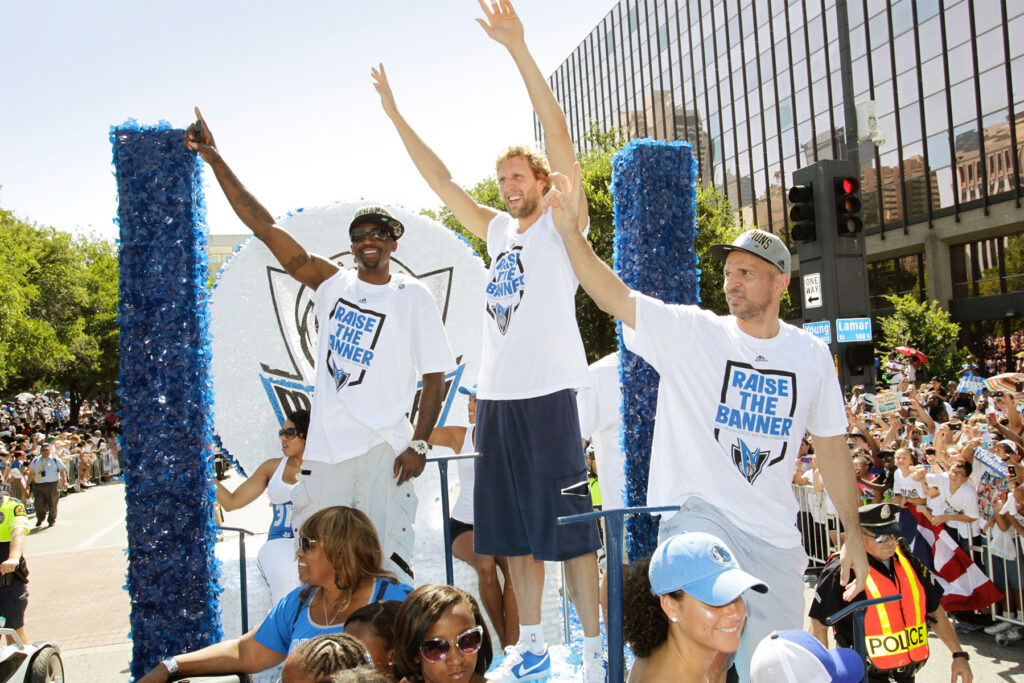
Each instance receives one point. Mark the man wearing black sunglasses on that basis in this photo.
(379, 334)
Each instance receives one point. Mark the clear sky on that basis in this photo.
(284, 86)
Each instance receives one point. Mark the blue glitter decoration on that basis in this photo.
(655, 191)
(166, 394)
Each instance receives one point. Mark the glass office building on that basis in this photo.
(756, 87)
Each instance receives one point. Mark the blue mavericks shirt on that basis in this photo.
(288, 625)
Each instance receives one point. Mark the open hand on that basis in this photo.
(502, 24)
(853, 556)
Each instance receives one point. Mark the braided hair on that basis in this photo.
(328, 654)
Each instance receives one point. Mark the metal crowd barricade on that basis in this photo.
(819, 527)
(1003, 564)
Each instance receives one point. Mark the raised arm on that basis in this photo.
(250, 489)
(1009, 407)
(475, 217)
(598, 280)
(503, 25)
(309, 269)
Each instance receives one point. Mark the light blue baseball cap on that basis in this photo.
(700, 565)
(468, 390)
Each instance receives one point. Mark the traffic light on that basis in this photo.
(848, 206)
(801, 212)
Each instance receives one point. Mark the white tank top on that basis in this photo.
(280, 494)
(463, 508)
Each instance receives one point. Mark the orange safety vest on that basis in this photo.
(895, 633)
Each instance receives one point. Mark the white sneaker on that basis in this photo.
(1013, 634)
(520, 664)
(997, 627)
(595, 671)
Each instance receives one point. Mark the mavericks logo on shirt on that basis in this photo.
(353, 336)
(754, 417)
(504, 292)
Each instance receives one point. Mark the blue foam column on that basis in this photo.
(166, 395)
(655, 193)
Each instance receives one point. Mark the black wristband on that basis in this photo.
(962, 655)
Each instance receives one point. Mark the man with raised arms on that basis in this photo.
(379, 334)
(532, 469)
(732, 412)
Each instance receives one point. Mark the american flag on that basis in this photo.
(967, 586)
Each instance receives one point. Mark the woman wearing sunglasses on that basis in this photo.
(683, 610)
(440, 636)
(276, 476)
(339, 563)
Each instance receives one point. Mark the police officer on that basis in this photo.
(896, 633)
(46, 469)
(13, 571)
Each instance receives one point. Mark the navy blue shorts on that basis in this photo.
(530, 472)
(13, 602)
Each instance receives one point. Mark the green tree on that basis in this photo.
(714, 217)
(58, 308)
(926, 327)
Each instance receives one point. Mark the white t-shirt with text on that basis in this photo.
(531, 343)
(732, 410)
(375, 342)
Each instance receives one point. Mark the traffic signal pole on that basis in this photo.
(833, 265)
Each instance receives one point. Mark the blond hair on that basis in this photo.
(537, 161)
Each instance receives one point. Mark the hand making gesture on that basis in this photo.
(201, 141)
(380, 83)
(567, 200)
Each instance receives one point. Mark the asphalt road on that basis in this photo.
(77, 597)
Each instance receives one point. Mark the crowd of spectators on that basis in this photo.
(946, 452)
(89, 449)
(996, 363)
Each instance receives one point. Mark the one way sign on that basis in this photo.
(812, 290)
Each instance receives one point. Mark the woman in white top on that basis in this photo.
(905, 489)
(499, 603)
(276, 476)
(961, 519)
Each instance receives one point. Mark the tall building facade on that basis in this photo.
(756, 87)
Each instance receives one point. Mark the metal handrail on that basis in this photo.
(241, 572)
(442, 466)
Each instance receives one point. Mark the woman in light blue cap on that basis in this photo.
(683, 610)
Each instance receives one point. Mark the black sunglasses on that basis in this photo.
(376, 233)
(882, 538)
(289, 433)
(306, 544)
(468, 642)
